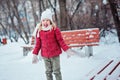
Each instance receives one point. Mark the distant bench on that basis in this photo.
(3, 41)
(75, 38)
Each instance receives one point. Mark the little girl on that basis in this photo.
(50, 42)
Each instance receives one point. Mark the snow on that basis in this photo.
(105, 2)
(15, 66)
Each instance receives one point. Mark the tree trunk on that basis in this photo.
(75, 11)
(28, 27)
(63, 15)
(54, 9)
(40, 8)
(113, 7)
(34, 13)
(5, 31)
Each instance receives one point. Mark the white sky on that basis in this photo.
(15, 66)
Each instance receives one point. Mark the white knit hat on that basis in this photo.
(47, 14)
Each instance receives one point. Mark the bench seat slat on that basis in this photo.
(81, 45)
(81, 41)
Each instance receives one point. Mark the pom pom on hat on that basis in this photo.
(47, 14)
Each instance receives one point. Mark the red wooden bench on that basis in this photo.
(81, 38)
(76, 38)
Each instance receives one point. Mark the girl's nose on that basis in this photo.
(46, 25)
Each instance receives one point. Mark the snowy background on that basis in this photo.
(15, 66)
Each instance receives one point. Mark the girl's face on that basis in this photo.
(45, 22)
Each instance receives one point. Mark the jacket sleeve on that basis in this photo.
(60, 39)
(37, 46)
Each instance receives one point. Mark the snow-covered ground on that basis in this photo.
(15, 66)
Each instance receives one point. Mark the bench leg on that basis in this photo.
(89, 51)
(25, 51)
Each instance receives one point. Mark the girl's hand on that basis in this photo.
(70, 53)
(34, 59)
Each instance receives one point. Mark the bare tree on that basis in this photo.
(72, 16)
(113, 5)
(26, 19)
(21, 26)
(54, 9)
(63, 15)
(35, 17)
(40, 7)
(4, 28)
(3, 8)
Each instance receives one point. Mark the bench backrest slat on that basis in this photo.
(81, 37)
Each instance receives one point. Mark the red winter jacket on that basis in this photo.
(50, 43)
